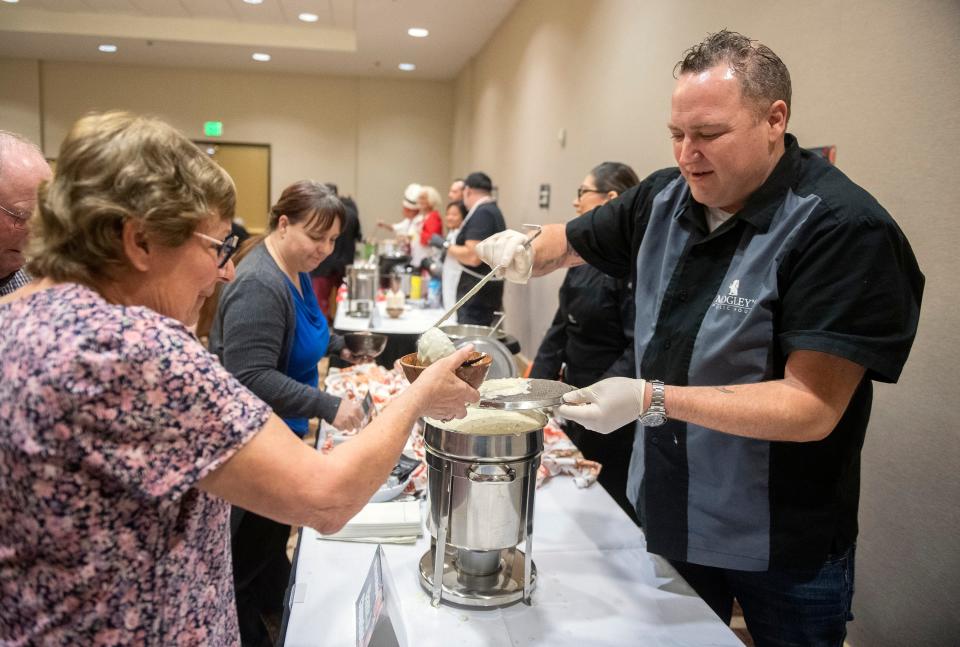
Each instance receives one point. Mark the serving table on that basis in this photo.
(596, 585)
(402, 332)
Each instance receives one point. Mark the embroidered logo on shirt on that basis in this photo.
(732, 301)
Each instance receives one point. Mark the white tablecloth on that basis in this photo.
(597, 586)
(413, 321)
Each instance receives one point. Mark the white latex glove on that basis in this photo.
(605, 406)
(506, 248)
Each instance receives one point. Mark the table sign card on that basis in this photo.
(379, 618)
(375, 318)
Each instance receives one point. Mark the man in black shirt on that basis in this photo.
(483, 220)
(770, 292)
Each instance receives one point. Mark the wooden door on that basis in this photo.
(249, 166)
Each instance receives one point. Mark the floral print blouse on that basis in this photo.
(109, 416)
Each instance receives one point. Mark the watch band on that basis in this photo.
(656, 413)
(657, 401)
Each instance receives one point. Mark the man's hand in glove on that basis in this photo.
(438, 241)
(506, 248)
(605, 406)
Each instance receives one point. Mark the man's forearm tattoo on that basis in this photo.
(557, 263)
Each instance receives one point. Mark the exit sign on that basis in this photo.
(213, 128)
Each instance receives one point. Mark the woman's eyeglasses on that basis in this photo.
(225, 248)
(581, 190)
(19, 217)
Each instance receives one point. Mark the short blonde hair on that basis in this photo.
(112, 167)
(433, 197)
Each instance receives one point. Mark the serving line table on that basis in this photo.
(413, 321)
(597, 585)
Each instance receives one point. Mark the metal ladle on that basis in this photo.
(537, 230)
(497, 325)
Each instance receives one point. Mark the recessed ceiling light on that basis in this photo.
(260, 56)
(309, 17)
(109, 49)
(253, 1)
(11, 1)
(418, 32)
(407, 67)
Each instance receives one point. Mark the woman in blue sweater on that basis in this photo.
(270, 333)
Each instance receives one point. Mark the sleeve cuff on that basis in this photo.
(881, 367)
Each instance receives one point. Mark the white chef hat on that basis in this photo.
(410, 196)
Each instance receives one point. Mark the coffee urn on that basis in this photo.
(362, 282)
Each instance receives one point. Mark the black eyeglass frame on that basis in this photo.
(225, 248)
(582, 189)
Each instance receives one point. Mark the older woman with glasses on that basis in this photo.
(121, 438)
(591, 336)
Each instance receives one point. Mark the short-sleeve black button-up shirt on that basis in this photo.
(812, 262)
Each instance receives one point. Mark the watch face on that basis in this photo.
(652, 419)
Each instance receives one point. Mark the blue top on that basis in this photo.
(309, 343)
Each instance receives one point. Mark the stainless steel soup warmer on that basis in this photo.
(481, 491)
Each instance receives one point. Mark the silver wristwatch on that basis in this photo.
(656, 415)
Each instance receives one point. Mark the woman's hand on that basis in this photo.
(443, 394)
(349, 415)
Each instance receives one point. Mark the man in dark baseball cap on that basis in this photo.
(483, 220)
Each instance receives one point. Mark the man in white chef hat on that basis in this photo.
(409, 228)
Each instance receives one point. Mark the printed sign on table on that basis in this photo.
(379, 616)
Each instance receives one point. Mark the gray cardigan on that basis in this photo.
(253, 334)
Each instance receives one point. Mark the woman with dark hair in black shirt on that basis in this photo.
(591, 336)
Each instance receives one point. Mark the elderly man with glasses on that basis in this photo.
(22, 169)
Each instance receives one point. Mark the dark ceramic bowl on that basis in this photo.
(365, 345)
(473, 371)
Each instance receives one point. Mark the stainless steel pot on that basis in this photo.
(403, 274)
(481, 492)
(362, 282)
(388, 264)
(491, 476)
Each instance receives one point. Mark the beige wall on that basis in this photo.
(879, 80)
(371, 137)
(20, 98)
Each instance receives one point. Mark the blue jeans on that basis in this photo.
(784, 607)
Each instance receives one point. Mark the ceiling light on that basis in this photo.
(11, 1)
(253, 1)
(107, 48)
(407, 67)
(260, 56)
(309, 17)
(418, 32)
